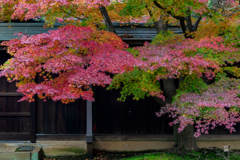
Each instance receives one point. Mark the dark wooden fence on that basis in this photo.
(14, 116)
(57, 118)
(131, 117)
(23, 120)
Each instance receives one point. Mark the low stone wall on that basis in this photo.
(128, 146)
(234, 145)
(125, 143)
(63, 148)
(157, 142)
(55, 148)
(121, 146)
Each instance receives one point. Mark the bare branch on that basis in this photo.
(227, 15)
(168, 12)
(229, 9)
(225, 6)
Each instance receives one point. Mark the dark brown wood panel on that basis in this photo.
(58, 118)
(10, 94)
(14, 124)
(11, 104)
(59, 137)
(108, 112)
(222, 130)
(15, 114)
(130, 114)
(143, 116)
(14, 136)
(129, 117)
(5, 85)
(33, 122)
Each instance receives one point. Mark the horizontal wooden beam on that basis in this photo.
(219, 137)
(112, 137)
(82, 137)
(14, 136)
(134, 137)
(10, 94)
(15, 114)
(138, 24)
(56, 137)
(164, 137)
(136, 42)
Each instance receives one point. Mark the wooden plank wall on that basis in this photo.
(133, 117)
(22, 120)
(57, 118)
(14, 116)
(19, 119)
(130, 117)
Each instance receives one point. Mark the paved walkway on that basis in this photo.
(4, 149)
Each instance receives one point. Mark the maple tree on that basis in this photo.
(68, 59)
(186, 76)
(180, 75)
(180, 83)
(77, 56)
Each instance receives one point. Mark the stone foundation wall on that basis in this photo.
(125, 143)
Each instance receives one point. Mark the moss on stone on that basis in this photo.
(64, 151)
(74, 150)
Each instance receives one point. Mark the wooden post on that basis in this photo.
(32, 122)
(89, 133)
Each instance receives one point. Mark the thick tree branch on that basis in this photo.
(169, 89)
(107, 19)
(149, 11)
(160, 101)
(168, 12)
(189, 21)
(197, 23)
(160, 24)
(183, 26)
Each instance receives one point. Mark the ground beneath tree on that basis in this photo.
(202, 154)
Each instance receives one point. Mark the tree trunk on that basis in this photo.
(161, 25)
(107, 19)
(189, 21)
(184, 139)
(183, 27)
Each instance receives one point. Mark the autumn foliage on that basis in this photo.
(69, 60)
(72, 58)
(195, 102)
